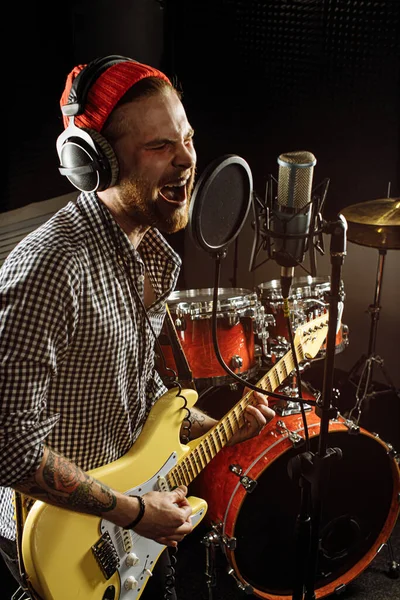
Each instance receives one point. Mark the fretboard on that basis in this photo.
(194, 461)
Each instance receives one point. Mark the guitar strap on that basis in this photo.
(184, 372)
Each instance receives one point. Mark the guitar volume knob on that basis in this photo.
(132, 559)
(131, 583)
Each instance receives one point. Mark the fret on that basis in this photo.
(212, 443)
(221, 431)
(231, 427)
(188, 470)
(191, 457)
(172, 479)
(198, 455)
(201, 455)
(208, 451)
(274, 373)
(236, 418)
(216, 438)
(183, 474)
(286, 373)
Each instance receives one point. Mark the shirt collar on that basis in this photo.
(155, 252)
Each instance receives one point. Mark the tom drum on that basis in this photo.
(237, 313)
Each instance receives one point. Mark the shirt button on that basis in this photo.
(141, 278)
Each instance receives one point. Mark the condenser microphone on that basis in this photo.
(291, 213)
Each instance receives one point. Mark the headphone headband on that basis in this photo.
(85, 79)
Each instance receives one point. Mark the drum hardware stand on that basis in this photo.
(311, 471)
(394, 566)
(365, 391)
(210, 541)
(285, 408)
(215, 538)
(376, 224)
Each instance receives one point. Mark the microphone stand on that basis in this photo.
(312, 470)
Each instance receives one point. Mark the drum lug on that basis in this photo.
(390, 450)
(245, 587)
(233, 319)
(294, 437)
(236, 361)
(247, 483)
(340, 589)
(216, 537)
(353, 428)
(180, 324)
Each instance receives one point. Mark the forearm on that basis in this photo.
(200, 423)
(60, 482)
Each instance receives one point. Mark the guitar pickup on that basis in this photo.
(106, 555)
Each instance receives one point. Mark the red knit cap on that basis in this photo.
(107, 90)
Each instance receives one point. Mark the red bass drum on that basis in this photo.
(359, 510)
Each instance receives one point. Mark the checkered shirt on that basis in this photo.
(76, 351)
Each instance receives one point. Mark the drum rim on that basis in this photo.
(200, 300)
(308, 280)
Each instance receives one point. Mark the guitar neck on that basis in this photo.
(193, 462)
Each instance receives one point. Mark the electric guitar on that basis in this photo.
(74, 556)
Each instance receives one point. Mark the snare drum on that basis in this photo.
(238, 310)
(308, 299)
(257, 504)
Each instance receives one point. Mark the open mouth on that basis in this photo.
(174, 194)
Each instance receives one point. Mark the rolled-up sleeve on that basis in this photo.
(38, 312)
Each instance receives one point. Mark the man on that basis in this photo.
(82, 300)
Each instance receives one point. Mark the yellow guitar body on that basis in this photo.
(57, 543)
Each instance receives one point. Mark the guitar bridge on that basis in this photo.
(106, 555)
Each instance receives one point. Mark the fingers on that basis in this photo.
(177, 536)
(258, 416)
(180, 493)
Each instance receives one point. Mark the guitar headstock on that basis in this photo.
(311, 335)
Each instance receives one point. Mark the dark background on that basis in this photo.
(259, 78)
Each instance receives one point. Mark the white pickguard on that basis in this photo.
(132, 547)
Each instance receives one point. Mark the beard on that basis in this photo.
(142, 205)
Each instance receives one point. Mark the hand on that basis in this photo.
(256, 417)
(167, 517)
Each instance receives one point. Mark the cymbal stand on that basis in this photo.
(365, 390)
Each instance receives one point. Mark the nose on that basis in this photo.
(185, 157)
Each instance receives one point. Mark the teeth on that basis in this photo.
(178, 184)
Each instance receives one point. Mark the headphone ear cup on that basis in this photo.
(87, 159)
(109, 156)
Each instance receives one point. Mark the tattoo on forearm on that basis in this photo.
(67, 485)
(197, 418)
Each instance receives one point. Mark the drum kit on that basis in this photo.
(255, 527)
(251, 329)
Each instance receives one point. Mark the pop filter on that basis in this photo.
(220, 203)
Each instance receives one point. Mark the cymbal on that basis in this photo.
(375, 223)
